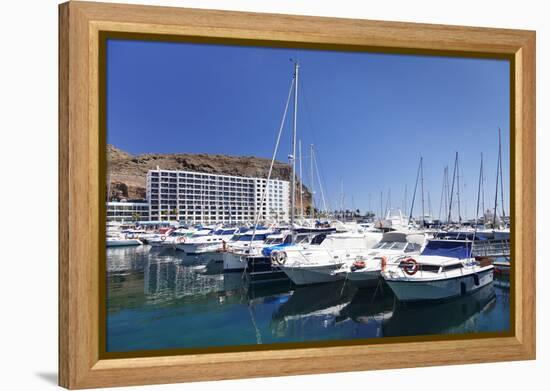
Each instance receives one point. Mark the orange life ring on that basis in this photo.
(163, 238)
(410, 266)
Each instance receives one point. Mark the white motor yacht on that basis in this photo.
(116, 238)
(247, 244)
(394, 221)
(316, 262)
(444, 269)
(365, 269)
(172, 238)
(212, 242)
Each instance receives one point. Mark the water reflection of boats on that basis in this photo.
(124, 259)
(316, 299)
(368, 304)
(309, 308)
(502, 281)
(439, 318)
(172, 279)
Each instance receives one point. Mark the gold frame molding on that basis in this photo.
(82, 363)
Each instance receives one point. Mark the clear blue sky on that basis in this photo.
(370, 116)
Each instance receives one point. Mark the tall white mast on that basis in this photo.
(293, 199)
(422, 190)
(458, 189)
(500, 172)
(301, 180)
(312, 181)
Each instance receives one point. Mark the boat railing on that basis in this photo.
(491, 248)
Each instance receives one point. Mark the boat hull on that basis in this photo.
(260, 270)
(439, 289)
(233, 262)
(305, 275)
(123, 243)
(364, 279)
(192, 248)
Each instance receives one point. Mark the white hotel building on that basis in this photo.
(196, 197)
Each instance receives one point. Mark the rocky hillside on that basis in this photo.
(128, 172)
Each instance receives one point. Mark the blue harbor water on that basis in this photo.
(160, 299)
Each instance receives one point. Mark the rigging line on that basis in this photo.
(310, 128)
(452, 190)
(483, 191)
(442, 195)
(320, 184)
(446, 189)
(501, 180)
(422, 190)
(414, 193)
(257, 219)
(477, 209)
(496, 188)
(458, 172)
(464, 189)
(312, 182)
(405, 200)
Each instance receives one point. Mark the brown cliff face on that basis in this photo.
(127, 173)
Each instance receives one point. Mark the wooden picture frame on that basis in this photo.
(81, 143)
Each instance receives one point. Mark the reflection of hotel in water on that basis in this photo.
(210, 198)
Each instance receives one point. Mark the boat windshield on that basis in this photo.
(303, 239)
(448, 248)
(273, 240)
(247, 238)
(177, 233)
(399, 246)
(198, 234)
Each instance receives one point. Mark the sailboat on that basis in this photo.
(500, 230)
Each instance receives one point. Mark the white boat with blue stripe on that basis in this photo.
(445, 269)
